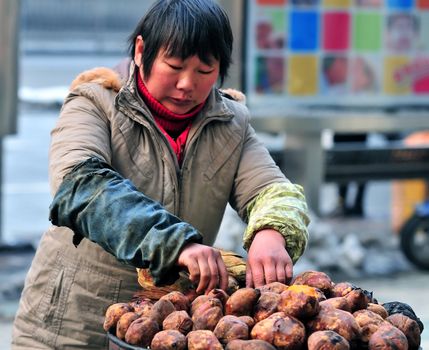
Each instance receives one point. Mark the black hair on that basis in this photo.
(185, 28)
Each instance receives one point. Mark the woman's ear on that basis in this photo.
(138, 51)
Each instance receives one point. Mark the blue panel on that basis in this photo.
(304, 29)
(400, 4)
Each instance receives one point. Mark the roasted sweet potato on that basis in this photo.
(266, 305)
(219, 294)
(316, 279)
(242, 302)
(397, 307)
(327, 340)
(206, 318)
(388, 337)
(378, 309)
(409, 327)
(124, 323)
(341, 289)
(336, 320)
(160, 310)
(248, 320)
(179, 321)
(114, 313)
(141, 304)
(203, 340)
(178, 299)
(141, 331)
(275, 287)
(358, 299)
(230, 327)
(282, 332)
(233, 285)
(168, 340)
(299, 301)
(252, 344)
(206, 302)
(369, 322)
(336, 303)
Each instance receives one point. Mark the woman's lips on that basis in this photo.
(181, 101)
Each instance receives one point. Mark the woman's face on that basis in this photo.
(179, 85)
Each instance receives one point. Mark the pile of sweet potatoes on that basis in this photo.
(311, 313)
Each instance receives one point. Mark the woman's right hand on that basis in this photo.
(205, 266)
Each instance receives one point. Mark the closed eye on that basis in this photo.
(174, 67)
(205, 72)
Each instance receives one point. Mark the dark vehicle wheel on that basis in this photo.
(414, 240)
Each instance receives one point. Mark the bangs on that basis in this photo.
(187, 35)
(185, 28)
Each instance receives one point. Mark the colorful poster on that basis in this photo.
(310, 52)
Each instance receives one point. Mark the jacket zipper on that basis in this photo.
(151, 125)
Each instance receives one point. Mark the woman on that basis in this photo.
(141, 175)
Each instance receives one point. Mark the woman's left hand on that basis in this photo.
(267, 260)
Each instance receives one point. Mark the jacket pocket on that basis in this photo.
(73, 304)
(91, 293)
(54, 300)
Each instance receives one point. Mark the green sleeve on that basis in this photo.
(281, 207)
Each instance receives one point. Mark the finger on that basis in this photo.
(204, 275)
(258, 275)
(213, 274)
(270, 273)
(194, 271)
(281, 273)
(289, 272)
(223, 274)
(249, 276)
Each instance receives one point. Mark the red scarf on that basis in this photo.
(174, 126)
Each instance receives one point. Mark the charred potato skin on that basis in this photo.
(160, 310)
(378, 309)
(204, 302)
(169, 340)
(114, 313)
(357, 299)
(251, 344)
(203, 340)
(336, 320)
(327, 340)
(341, 289)
(242, 302)
(409, 327)
(206, 319)
(336, 303)
(388, 337)
(141, 332)
(266, 305)
(282, 332)
(178, 299)
(300, 302)
(369, 322)
(179, 321)
(230, 328)
(274, 287)
(316, 279)
(124, 323)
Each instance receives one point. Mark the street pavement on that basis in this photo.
(26, 198)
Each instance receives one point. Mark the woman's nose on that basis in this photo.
(186, 82)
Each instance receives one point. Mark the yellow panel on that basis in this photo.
(303, 75)
(337, 3)
(391, 85)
